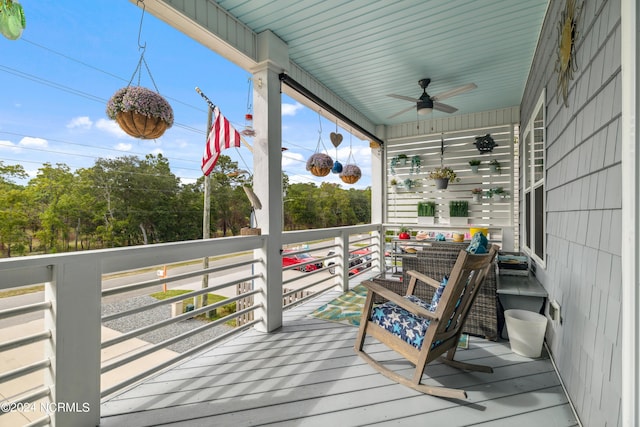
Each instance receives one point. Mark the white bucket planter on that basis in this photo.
(458, 221)
(426, 220)
(526, 332)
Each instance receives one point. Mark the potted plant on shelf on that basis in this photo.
(494, 166)
(426, 213)
(415, 164)
(319, 164)
(477, 194)
(140, 112)
(474, 163)
(443, 176)
(400, 159)
(497, 193)
(404, 233)
(458, 212)
(410, 183)
(394, 184)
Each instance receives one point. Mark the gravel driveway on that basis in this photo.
(138, 320)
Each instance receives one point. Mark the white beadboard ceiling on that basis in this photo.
(363, 50)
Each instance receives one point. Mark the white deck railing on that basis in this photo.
(68, 374)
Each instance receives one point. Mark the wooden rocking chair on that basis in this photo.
(420, 331)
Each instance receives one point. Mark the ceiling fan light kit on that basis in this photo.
(426, 103)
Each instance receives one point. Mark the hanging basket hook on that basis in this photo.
(141, 46)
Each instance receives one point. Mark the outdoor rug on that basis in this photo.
(347, 309)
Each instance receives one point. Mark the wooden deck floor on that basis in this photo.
(307, 374)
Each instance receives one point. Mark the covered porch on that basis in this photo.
(573, 210)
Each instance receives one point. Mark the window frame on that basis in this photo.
(529, 201)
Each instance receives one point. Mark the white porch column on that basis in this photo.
(630, 214)
(267, 175)
(379, 195)
(74, 348)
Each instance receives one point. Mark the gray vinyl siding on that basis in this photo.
(583, 207)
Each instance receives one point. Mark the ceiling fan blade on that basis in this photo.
(444, 107)
(406, 98)
(454, 91)
(413, 107)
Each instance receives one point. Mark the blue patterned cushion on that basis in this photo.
(400, 322)
(437, 295)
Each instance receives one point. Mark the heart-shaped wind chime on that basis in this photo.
(336, 140)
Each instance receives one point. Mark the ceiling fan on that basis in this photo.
(426, 103)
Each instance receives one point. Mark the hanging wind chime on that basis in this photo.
(336, 140)
(140, 112)
(12, 19)
(351, 173)
(248, 118)
(320, 164)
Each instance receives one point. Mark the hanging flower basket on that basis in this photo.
(350, 174)
(140, 112)
(442, 176)
(319, 164)
(12, 20)
(441, 183)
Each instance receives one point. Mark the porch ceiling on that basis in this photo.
(363, 50)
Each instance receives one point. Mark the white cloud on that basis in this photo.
(122, 146)
(294, 160)
(291, 109)
(157, 151)
(28, 141)
(82, 122)
(9, 146)
(111, 127)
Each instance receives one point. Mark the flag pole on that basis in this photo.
(206, 216)
(211, 107)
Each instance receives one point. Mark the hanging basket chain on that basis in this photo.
(320, 142)
(142, 48)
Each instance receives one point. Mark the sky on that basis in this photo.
(73, 55)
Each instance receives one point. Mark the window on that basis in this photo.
(533, 174)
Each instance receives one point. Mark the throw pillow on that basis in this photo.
(438, 294)
(479, 244)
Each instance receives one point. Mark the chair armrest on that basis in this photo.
(424, 278)
(399, 300)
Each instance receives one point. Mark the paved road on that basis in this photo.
(191, 283)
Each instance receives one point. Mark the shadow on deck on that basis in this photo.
(307, 373)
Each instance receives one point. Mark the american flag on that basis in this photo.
(221, 136)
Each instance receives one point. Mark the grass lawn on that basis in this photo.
(218, 313)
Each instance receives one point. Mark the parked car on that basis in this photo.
(289, 258)
(354, 262)
(366, 258)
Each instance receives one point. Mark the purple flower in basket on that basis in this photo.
(142, 101)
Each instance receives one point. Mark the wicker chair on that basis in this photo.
(436, 261)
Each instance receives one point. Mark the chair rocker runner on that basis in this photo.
(419, 331)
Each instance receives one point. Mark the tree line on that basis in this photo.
(129, 201)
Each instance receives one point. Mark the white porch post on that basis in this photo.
(630, 214)
(267, 178)
(74, 347)
(379, 195)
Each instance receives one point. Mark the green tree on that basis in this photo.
(47, 190)
(13, 216)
